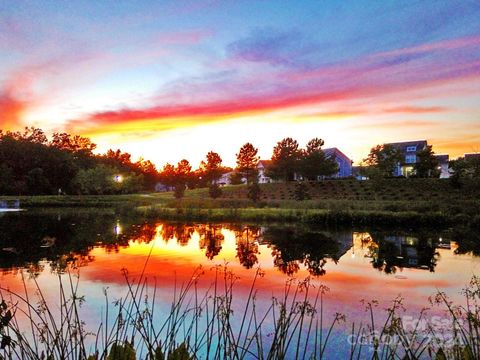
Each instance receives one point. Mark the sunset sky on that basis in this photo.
(168, 80)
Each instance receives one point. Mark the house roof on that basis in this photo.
(264, 163)
(404, 144)
(335, 152)
(471, 156)
(442, 158)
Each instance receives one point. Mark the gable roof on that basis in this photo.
(264, 163)
(335, 152)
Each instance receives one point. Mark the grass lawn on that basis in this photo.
(409, 201)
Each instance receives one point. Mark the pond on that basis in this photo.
(351, 267)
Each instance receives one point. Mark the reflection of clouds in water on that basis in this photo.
(175, 250)
(289, 249)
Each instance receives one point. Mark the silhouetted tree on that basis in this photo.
(30, 164)
(285, 158)
(212, 170)
(182, 174)
(149, 172)
(382, 161)
(74, 143)
(427, 164)
(167, 175)
(247, 161)
(313, 162)
(463, 168)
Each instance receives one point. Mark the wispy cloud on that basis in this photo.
(366, 78)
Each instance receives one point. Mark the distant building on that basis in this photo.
(443, 166)
(225, 179)
(471, 156)
(356, 173)
(343, 161)
(160, 187)
(409, 150)
(262, 168)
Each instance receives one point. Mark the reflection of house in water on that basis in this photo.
(293, 246)
(389, 252)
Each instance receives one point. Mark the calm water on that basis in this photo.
(354, 264)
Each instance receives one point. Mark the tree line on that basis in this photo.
(288, 162)
(32, 164)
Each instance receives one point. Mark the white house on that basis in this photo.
(262, 168)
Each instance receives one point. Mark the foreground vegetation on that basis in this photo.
(207, 324)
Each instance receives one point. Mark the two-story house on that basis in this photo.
(409, 150)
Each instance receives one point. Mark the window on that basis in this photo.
(411, 159)
(411, 148)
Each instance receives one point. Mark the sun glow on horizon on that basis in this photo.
(165, 91)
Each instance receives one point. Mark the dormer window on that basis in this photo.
(411, 148)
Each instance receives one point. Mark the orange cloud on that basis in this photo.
(167, 116)
(11, 110)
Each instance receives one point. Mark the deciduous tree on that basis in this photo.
(427, 164)
(383, 159)
(182, 173)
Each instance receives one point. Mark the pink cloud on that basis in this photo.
(440, 45)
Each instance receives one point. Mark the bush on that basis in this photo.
(301, 191)
(179, 191)
(254, 192)
(214, 191)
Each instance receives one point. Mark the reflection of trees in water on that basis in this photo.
(390, 253)
(63, 240)
(70, 261)
(292, 247)
(66, 240)
(182, 232)
(211, 239)
(247, 238)
(467, 239)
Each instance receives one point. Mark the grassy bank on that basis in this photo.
(412, 202)
(307, 216)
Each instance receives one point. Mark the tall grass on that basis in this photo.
(206, 324)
